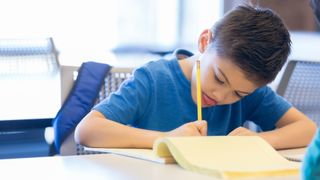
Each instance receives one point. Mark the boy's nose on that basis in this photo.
(219, 96)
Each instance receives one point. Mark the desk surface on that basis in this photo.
(96, 167)
(34, 97)
(297, 153)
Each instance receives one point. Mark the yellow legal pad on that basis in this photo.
(219, 156)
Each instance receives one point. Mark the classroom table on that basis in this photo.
(98, 166)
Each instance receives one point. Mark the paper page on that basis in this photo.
(145, 154)
(228, 156)
(296, 154)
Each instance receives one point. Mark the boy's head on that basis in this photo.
(256, 40)
(245, 50)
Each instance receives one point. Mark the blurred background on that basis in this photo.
(83, 29)
(39, 36)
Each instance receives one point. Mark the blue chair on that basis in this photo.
(106, 83)
(80, 100)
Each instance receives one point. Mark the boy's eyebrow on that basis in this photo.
(225, 77)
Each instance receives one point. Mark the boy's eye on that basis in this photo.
(218, 80)
(238, 95)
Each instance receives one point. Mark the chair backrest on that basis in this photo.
(80, 100)
(112, 81)
(28, 57)
(300, 85)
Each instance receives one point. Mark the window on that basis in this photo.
(85, 29)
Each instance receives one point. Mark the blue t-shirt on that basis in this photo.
(158, 97)
(311, 163)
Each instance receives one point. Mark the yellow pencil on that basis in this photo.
(199, 103)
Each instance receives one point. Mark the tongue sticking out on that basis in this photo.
(207, 101)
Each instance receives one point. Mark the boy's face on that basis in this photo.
(222, 82)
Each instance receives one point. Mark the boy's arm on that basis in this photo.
(294, 129)
(97, 131)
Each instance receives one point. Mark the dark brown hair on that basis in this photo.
(255, 39)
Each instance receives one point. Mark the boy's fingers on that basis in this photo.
(238, 131)
(202, 127)
(234, 132)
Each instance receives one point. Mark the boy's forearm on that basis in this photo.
(139, 138)
(297, 134)
(106, 133)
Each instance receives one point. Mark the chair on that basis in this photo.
(300, 85)
(29, 73)
(111, 83)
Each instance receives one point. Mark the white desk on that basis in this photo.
(92, 167)
(297, 153)
(29, 98)
(96, 167)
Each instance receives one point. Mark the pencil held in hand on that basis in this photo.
(199, 103)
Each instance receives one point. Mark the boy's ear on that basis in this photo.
(204, 39)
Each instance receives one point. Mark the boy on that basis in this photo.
(241, 54)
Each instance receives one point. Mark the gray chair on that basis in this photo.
(111, 83)
(300, 85)
(25, 57)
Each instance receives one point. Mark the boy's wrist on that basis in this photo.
(152, 137)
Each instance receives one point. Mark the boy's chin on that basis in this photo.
(207, 106)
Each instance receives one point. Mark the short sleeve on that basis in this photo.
(130, 101)
(264, 107)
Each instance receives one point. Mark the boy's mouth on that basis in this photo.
(207, 101)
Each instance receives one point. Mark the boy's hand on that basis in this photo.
(196, 128)
(241, 131)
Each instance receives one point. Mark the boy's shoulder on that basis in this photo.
(158, 64)
(158, 67)
(165, 69)
(171, 62)
(264, 96)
